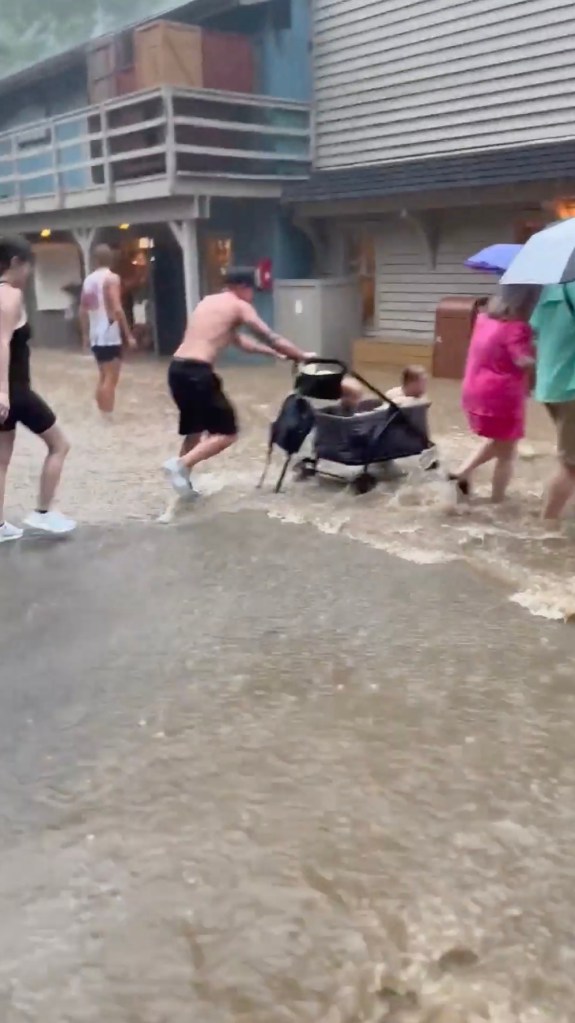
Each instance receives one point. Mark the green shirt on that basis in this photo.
(554, 326)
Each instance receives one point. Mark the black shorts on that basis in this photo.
(106, 353)
(29, 409)
(202, 404)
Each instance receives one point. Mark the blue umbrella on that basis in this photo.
(495, 259)
(547, 258)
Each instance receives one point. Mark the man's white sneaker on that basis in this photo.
(10, 532)
(52, 522)
(178, 478)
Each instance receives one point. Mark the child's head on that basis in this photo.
(414, 382)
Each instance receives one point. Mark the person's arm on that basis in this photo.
(115, 309)
(84, 319)
(250, 319)
(10, 313)
(521, 347)
(247, 344)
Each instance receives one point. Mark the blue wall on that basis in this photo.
(285, 56)
(260, 230)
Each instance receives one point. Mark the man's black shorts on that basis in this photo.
(202, 404)
(29, 409)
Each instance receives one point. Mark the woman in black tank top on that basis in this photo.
(18, 402)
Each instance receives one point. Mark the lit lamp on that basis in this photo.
(564, 209)
(46, 233)
(124, 227)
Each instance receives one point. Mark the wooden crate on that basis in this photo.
(228, 62)
(167, 53)
(110, 74)
(102, 83)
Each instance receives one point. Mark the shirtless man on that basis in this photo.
(208, 421)
(104, 325)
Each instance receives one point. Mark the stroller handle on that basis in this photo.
(317, 360)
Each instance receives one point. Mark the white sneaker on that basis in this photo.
(10, 532)
(178, 477)
(52, 522)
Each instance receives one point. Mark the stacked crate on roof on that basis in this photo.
(189, 60)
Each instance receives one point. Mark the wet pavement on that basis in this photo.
(253, 772)
(282, 759)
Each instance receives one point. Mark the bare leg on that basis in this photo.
(560, 490)
(503, 471)
(6, 449)
(107, 384)
(206, 448)
(189, 443)
(485, 453)
(58, 448)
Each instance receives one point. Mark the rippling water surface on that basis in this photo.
(113, 476)
(343, 815)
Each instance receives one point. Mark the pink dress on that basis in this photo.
(495, 388)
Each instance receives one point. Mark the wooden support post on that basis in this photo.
(85, 239)
(186, 234)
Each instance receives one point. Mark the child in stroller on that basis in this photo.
(412, 390)
(350, 429)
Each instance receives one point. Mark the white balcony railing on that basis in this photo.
(168, 134)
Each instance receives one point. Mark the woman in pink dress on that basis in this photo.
(496, 384)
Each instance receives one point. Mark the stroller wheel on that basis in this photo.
(304, 469)
(363, 483)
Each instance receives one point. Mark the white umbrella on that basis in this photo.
(547, 258)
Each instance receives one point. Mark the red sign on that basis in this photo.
(264, 275)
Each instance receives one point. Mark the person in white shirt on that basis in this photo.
(104, 325)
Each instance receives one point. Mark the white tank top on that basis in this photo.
(102, 332)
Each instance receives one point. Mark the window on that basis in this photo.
(216, 258)
(361, 263)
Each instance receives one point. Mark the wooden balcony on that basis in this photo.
(153, 144)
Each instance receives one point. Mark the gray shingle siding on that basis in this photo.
(523, 165)
(400, 79)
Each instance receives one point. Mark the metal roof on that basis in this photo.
(521, 165)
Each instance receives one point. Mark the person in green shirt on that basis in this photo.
(553, 322)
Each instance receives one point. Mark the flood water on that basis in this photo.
(344, 795)
(113, 476)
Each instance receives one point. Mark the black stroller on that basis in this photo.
(377, 431)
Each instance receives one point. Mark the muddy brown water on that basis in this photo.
(113, 476)
(344, 796)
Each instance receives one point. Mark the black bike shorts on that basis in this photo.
(29, 409)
